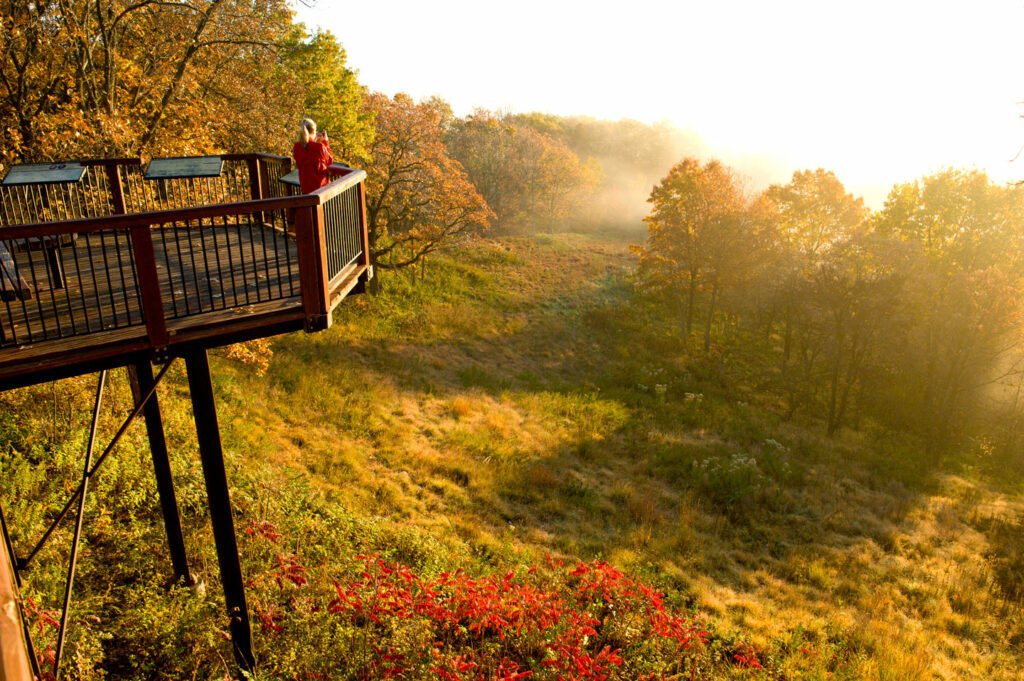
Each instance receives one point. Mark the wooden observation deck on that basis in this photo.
(98, 271)
(104, 264)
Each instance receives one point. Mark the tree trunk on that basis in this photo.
(787, 342)
(690, 300)
(837, 363)
(711, 317)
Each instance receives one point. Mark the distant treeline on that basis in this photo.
(93, 78)
(908, 317)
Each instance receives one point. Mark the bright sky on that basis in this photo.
(878, 91)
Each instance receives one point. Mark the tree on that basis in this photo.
(527, 177)
(107, 77)
(333, 96)
(418, 198)
(965, 294)
(697, 216)
(815, 211)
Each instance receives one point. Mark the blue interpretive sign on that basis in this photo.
(184, 166)
(44, 173)
(291, 178)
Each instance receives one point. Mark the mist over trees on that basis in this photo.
(908, 317)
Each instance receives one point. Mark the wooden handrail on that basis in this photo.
(132, 161)
(310, 236)
(350, 178)
(86, 225)
(149, 286)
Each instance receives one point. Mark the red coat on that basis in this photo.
(312, 162)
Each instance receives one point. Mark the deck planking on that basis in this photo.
(202, 268)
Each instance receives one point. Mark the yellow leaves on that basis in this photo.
(255, 353)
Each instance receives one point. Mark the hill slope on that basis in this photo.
(520, 401)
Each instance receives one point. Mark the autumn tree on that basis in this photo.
(632, 157)
(418, 198)
(107, 77)
(814, 213)
(529, 178)
(332, 94)
(965, 294)
(698, 217)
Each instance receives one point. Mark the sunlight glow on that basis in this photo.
(879, 92)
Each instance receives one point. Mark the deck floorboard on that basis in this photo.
(219, 267)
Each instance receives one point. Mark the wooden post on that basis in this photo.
(309, 240)
(116, 189)
(264, 178)
(141, 378)
(205, 412)
(364, 242)
(149, 288)
(255, 186)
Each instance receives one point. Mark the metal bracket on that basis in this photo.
(316, 322)
(159, 355)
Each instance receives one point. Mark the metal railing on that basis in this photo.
(226, 261)
(67, 285)
(244, 177)
(341, 230)
(125, 268)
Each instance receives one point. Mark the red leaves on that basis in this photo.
(747, 656)
(264, 530)
(584, 622)
(289, 569)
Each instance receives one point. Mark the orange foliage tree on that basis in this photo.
(418, 198)
(698, 218)
(114, 77)
(528, 177)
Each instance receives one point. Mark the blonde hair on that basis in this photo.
(306, 129)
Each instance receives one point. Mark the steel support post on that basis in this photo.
(141, 375)
(212, 456)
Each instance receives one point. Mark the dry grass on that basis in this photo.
(504, 411)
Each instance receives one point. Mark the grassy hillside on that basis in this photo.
(517, 402)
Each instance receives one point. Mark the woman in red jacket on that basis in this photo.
(312, 157)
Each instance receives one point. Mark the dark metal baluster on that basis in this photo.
(78, 197)
(195, 270)
(18, 278)
(95, 282)
(220, 272)
(110, 280)
(167, 268)
(135, 278)
(21, 205)
(53, 295)
(92, 196)
(231, 262)
(124, 284)
(277, 250)
(15, 281)
(241, 253)
(252, 250)
(35, 289)
(181, 268)
(81, 284)
(4, 215)
(266, 263)
(206, 262)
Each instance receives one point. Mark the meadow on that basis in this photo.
(513, 405)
